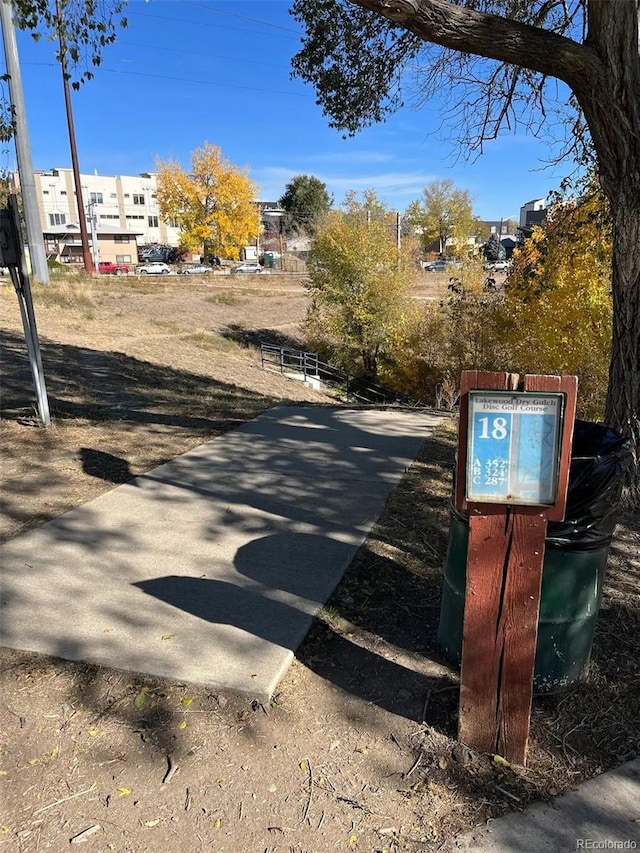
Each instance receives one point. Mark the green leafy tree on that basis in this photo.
(492, 248)
(496, 60)
(83, 28)
(306, 201)
(358, 281)
(444, 213)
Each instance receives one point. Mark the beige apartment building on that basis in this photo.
(122, 213)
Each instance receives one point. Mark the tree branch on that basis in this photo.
(492, 37)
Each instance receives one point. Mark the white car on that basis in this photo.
(498, 266)
(155, 268)
(247, 267)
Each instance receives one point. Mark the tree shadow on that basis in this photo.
(255, 337)
(104, 466)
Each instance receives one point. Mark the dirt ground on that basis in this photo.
(357, 750)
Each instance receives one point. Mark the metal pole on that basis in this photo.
(93, 221)
(20, 279)
(35, 237)
(84, 236)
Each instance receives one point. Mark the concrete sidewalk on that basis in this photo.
(603, 814)
(209, 569)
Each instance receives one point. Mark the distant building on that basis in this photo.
(123, 205)
(533, 213)
(503, 227)
(118, 245)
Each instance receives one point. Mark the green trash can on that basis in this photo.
(576, 551)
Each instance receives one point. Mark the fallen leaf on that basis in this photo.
(93, 732)
(182, 725)
(303, 765)
(152, 823)
(167, 636)
(124, 791)
(217, 823)
(352, 841)
(140, 699)
(442, 762)
(55, 753)
(186, 702)
(500, 761)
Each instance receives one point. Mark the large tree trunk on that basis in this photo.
(610, 99)
(623, 397)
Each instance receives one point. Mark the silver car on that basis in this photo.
(195, 269)
(247, 267)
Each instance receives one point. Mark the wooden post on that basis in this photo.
(502, 601)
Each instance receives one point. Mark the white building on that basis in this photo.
(124, 202)
(533, 212)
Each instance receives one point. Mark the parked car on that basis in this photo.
(155, 268)
(441, 265)
(109, 268)
(247, 267)
(497, 266)
(195, 269)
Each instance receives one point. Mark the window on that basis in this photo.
(153, 221)
(95, 198)
(63, 192)
(126, 195)
(45, 192)
(123, 259)
(135, 217)
(172, 223)
(57, 219)
(114, 195)
(109, 216)
(138, 199)
(120, 238)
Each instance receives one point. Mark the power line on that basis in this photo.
(207, 55)
(242, 17)
(294, 35)
(181, 80)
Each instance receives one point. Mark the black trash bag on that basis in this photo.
(599, 458)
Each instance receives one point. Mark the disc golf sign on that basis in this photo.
(514, 449)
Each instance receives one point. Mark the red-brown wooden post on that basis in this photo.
(502, 600)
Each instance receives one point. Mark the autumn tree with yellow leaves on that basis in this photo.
(558, 312)
(358, 282)
(213, 203)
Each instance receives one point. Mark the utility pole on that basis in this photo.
(84, 236)
(93, 221)
(35, 236)
(398, 230)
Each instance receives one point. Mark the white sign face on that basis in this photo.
(513, 447)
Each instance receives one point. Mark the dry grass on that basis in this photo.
(360, 741)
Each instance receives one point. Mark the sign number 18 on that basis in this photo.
(498, 429)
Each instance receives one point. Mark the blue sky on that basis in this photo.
(187, 72)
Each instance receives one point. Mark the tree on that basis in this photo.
(213, 204)
(83, 27)
(549, 323)
(497, 59)
(306, 200)
(444, 213)
(358, 281)
(492, 248)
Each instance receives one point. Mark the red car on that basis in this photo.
(109, 268)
